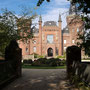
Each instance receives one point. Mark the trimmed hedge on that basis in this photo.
(49, 62)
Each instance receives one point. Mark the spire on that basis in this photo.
(72, 9)
(40, 18)
(59, 20)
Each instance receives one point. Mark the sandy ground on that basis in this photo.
(40, 79)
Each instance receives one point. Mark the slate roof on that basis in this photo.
(65, 30)
(50, 23)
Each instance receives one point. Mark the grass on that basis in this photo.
(43, 67)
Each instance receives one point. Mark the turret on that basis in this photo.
(60, 33)
(59, 21)
(40, 22)
(40, 35)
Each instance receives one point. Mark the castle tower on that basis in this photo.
(40, 35)
(60, 33)
(74, 23)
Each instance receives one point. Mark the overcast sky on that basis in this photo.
(49, 11)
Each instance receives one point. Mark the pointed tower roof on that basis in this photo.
(59, 20)
(40, 18)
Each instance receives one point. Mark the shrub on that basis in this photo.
(30, 61)
(63, 63)
(35, 55)
(48, 62)
(27, 61)
(54, 62)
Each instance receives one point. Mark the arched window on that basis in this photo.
(26, 49)
(34, 49)
(77, 29)
(64, 41)
(72, 41)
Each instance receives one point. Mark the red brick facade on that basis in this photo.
(51, 39)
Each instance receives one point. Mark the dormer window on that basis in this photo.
(50, 23)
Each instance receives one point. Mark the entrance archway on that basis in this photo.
(50, 52)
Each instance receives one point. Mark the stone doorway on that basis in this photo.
(50, 52)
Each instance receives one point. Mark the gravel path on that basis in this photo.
(40, 79)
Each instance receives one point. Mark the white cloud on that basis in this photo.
(61, 2)
(52, 13)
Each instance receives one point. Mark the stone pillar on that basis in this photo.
(73, 55)
(14, 53)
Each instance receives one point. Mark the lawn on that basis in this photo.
(43, 67)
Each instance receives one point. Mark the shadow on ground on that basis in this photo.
(41, 79)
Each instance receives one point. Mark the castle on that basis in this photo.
(50, 40)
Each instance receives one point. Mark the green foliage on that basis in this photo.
(29, 61)
(49, 62)
(61, 56)
(76, 81)
(41, 1)
(83, 5)
(40, 56)
(14, 27)
(85, 36)
(37, 55)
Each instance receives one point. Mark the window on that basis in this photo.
(77, 29)
(65, 48)
(49, 38)
(72, 41)
(34, 49)
(34, 41)
(26, 49)
(64, 41)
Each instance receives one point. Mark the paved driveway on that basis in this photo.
(39, 79)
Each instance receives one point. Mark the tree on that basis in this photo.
(41, 1)
(83, 5)
(14, 27)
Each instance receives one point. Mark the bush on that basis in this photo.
(27, 61)
(63, 63)
(48, 62)
(35, 55)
